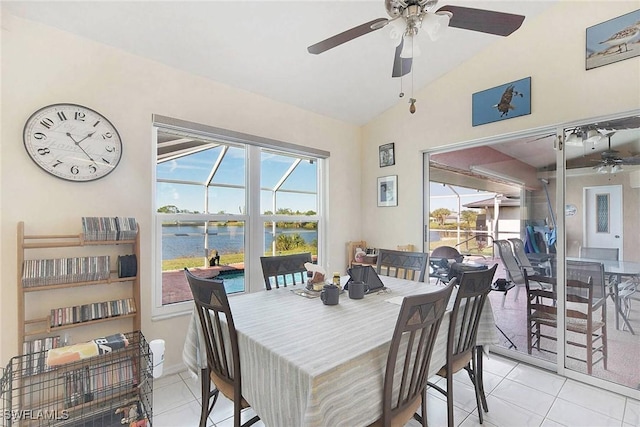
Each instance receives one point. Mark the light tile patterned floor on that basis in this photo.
(518, 395)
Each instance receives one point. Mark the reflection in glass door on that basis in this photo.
(495, 203)
(602, 195)
(568, 222)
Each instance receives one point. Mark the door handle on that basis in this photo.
(617, 236)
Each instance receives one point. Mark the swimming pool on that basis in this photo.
(233, 281)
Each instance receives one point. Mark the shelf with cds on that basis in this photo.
(103, 257)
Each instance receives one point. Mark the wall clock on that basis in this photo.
(72, 142)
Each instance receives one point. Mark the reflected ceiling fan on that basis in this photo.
(412, 17)
(611, 161)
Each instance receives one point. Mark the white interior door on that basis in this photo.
(603, 217)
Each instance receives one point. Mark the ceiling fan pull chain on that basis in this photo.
(412, 100)
(401, 94)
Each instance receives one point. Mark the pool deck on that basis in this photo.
(175, 287)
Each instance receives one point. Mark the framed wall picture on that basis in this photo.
(501, 102)
(387, 155)
(388, 190)
(613, 40)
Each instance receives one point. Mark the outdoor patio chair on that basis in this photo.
(440, 261)
(510, 263)
(626, 288)
(518, 246)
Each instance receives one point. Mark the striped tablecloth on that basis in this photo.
(308, 364)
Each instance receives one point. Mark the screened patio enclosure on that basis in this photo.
(217, 201)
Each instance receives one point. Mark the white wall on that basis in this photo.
(551, 50)
(42, 66)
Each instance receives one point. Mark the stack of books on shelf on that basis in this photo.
(35, 353)
(109, 228)
(94, 311)
(44, 272)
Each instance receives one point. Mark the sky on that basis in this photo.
(231, 173)
(443, 197)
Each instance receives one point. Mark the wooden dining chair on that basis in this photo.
(284, 269)
(407, 265)
(407, 368)
(586, 312)
(473, 289)
(221, 342)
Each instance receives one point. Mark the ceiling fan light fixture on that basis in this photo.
(594, 136)
(436, 24)
(397, 28)
(602, 169)
(410, 49)
(616, 169)
(574, 139)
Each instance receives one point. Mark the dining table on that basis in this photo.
(309, 364)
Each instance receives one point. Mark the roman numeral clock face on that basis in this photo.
(72, 142)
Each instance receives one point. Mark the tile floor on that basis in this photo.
(517, 395)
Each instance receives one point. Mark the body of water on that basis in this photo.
(183, 241)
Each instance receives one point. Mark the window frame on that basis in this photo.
(253, 218)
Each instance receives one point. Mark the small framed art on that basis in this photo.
(501, 102)
(388, 190)
(613, 40)
(387, 155)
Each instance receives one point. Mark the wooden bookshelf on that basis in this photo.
(29, 242)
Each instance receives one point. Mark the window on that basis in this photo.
(602, 213)
(219, 199)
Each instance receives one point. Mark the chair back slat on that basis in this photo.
(410, 351)
(284, 269)
(406, 265)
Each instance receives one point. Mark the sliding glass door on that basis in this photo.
(602, 269)
(560, 204)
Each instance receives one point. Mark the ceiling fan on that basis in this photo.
(412, 16)
(610, 160)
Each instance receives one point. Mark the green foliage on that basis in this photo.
(469, 217)
(286, 242)
(172, 209)
(440, 215)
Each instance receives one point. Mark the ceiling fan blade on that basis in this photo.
(484, 21)
(635, 160)
(401, 66)
(346, 36)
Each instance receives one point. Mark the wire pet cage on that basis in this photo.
(112, 389)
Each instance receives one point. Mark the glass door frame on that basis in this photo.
(560, 174)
